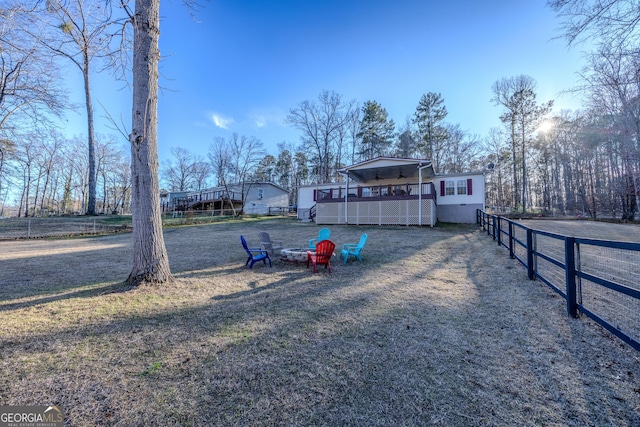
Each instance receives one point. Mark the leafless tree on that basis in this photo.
(81, 31)
(496, 149)
(179, 172)
(322, 126)
(201, 173)
(234, 161)
(615, 23)
(459, 152)
(522, 115)
(29, 86)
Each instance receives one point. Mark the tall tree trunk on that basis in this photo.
(150, 260)
(515, 165)
(91, 206)
(524, 168)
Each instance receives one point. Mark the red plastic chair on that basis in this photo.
(322, 255)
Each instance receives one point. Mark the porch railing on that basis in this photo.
(377, 192)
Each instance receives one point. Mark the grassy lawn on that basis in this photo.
(437, 327)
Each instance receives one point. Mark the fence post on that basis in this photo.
(511, 255)
(530, 249)
(570, 270)
(488, 217)
(499, 232)
(493, 217)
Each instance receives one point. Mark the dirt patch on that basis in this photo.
(437, 327)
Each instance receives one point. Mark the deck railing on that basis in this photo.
(186, 202)
(377, 192)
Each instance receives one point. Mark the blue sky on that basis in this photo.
(245, 63)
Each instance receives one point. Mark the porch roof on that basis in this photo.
(384, 168)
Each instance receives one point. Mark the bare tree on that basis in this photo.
(234, 162)
(353, 129)
(179, 173)
(118, 182)
(459, 152)
(611, 76)
(322, 125)
(29, 86)
(201, 173)
(80, 31)
(522, 115)
(498, 164)
(150, 259)
(612, 22)
(30, 81)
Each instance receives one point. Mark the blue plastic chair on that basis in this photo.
(323, 234)
(255, 254)
(353, 249)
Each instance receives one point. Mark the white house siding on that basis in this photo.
(459, 208)
(272, 197)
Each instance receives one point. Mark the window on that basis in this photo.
(449, 188)
(462, 186)
(260, 193)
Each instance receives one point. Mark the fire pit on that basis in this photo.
(294, 254)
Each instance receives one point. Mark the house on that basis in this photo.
(393, 191)
(261, 198)
(459, 196)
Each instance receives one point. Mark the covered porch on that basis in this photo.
(382, 191)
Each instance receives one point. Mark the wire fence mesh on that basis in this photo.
(617, 265)
(607, 272)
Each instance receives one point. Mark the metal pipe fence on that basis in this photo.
(597, 278)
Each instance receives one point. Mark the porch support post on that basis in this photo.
(346, 201)
(420, 195)
(420, 168)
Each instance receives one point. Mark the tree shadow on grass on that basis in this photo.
(112, 288)
(255, 289)
(365, 360)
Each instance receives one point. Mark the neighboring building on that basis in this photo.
(393, 191)
(260, 198)
(264, 198)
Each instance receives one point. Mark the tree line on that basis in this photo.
(583, 162)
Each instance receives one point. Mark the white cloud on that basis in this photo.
(221, 121)
(263, 117)
(260, 121)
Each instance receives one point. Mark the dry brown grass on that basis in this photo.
(437, 327)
